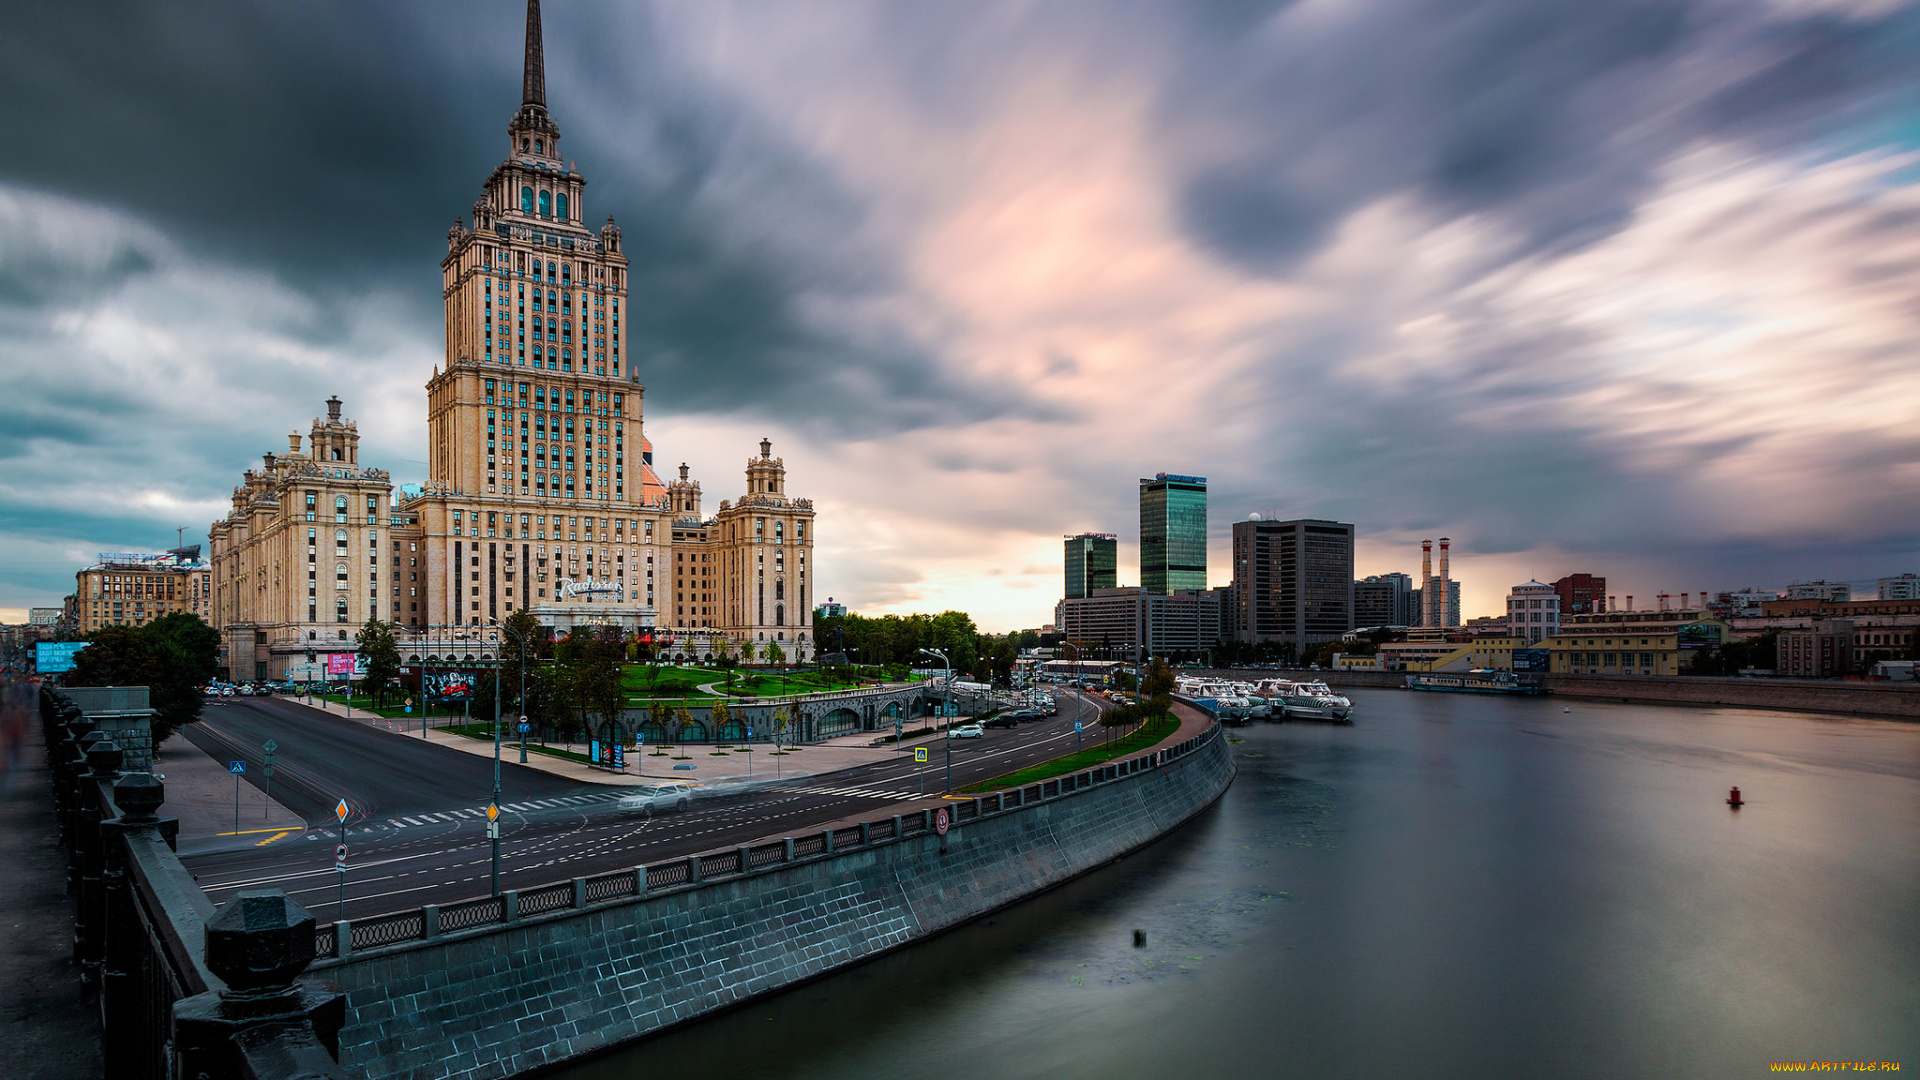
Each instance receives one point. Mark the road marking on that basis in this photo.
(271, 839)
(248, 832)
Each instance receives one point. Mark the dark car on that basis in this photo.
(1005, 720)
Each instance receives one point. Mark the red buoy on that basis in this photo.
(1733, 798)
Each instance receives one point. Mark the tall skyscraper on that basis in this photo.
(1092, 562)
(1292, 580)
(1173, 533)
(1386, 600)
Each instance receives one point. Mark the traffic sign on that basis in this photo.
(493, 830)
(341, 811)
(237, 768)
(340, 858)
(940, 821)
(1076, 725)
(919, 753)
(271, 747)
(493, 812)
(523, 727)
(409, 710)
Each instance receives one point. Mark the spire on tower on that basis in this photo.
(534, 80)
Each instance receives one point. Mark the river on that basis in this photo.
(1456, 886)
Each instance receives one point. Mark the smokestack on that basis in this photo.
(1664, 597)
(1426, 583)
(1684, 597)
(1629, 601)
(1610, 603)
(1443, 560)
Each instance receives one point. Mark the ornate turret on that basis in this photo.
(766, 474)
(532, 131)
(683, 497)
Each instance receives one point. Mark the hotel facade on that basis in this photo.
(540, 489)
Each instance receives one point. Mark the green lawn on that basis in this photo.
(1140, 738)
(655, 681)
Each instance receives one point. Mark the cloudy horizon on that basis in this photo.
(1630, 289)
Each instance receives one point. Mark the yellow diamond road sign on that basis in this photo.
(493, 812)
(341, 810)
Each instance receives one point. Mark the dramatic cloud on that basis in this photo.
(1628, 288)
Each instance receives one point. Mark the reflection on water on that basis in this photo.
(1455, 887)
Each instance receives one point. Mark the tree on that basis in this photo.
(747, 652)
(382, 655)
(590, 661)
(172, 656)
(718, 719)
(675, 721)
(775, 654)
(1159, 684)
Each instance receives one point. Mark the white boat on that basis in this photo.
(1316, 700)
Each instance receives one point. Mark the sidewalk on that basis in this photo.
(710, 764)
(200, 794)
(46, 1031)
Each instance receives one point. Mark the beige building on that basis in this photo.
(540, 488)
(133, 590)
(307, 554)
(1633, 642)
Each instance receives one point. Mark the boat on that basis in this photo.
(1478, 681)
(1315, 700)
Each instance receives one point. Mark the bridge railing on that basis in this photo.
(341, 940)
(182, 990)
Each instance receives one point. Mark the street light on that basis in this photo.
(947, 724)
(521, 640)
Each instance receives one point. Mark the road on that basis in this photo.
(440, 854)
(321, 758)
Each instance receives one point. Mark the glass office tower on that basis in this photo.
(1173, 533)
(1092, 562)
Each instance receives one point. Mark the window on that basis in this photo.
(546, 205)
(526, 200)
(560, 205)
(340, 508)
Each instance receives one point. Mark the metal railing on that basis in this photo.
(688, 871)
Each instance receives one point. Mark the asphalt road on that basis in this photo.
(441, 855)
(320, 759)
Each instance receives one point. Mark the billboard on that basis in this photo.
(607, 755)
(447, 685)
(53, 657)
(341, 664)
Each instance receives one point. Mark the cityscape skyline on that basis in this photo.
(1514, 319)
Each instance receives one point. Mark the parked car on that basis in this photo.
(656, 798)
(1001, 720)
(966, 731)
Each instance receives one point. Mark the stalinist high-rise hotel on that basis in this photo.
(540, 488)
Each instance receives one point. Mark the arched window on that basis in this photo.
(546, 205)
(539, 146)
(523, 146)
(526, 200)
(340, 574)
(340, 508)
(560, 206)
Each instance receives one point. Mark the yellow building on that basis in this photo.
(1632, 642)
(133, 590)
(1480, 654)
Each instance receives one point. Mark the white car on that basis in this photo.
(656, 798)
(966, 731)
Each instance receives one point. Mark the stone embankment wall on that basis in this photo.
(1801, 695)
(537, 992)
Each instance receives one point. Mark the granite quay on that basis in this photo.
(1799, 695)
(532, 979)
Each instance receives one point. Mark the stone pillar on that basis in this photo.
(264, 1024)
(135, 1034)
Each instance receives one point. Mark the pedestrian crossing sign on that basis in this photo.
(919, 753)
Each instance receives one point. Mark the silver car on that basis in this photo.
(656, 798)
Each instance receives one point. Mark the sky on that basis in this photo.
(1629, 288)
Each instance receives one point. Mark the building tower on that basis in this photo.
(1173, 533)
(534, 426)
(1092, 561)
(683, 497)
(760, 548)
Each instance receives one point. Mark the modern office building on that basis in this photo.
(1581, 594)
(1292, 580)
(1092, 563)
(1133, 624)
(1386, 600)
(1173, 533)
(1533, 611)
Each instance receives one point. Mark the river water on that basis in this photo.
(1456, 886)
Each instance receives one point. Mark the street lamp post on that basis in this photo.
(947, 690)
(521, 640)
(496, 774)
